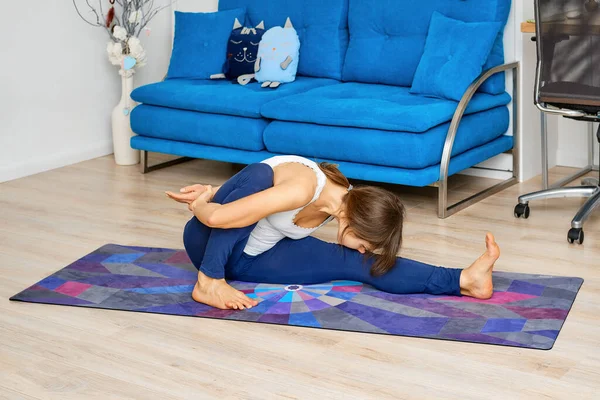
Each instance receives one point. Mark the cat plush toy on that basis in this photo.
(278, 55)
(242, 49)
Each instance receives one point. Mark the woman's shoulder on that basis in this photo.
(292, 174)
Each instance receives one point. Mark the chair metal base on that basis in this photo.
(590, 182)
(591, 191)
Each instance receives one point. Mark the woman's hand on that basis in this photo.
(188, 194)
(204, 198)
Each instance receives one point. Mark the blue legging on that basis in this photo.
(219, 253)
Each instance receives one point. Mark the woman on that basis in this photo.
(256, 228)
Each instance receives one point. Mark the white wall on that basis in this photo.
(572, 144)
(196, 5)
(57, 88)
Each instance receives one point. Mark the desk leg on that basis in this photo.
(544, 152)
(545, 180)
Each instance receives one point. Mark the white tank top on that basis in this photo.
(270, 230)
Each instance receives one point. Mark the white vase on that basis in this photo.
(121, 128)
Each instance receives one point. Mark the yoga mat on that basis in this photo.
(525, 311)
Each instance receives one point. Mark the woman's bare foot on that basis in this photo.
(476, 281)
(217, 293)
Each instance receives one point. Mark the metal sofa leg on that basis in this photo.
(145, 168)
(445, 210)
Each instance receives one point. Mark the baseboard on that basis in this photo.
(52, 161)
(499, 167)
(487, 173)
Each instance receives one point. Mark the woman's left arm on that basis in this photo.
(251, 209)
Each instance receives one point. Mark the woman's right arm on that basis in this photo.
(251, 209)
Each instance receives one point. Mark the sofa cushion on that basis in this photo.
(200, 43)
(196, 150)
(378, 147)
(322, 27)
(455, 52)
(195, 127)
(220, 96)
(366, 172)
(373, 106)
(387, 37)
(424, 176)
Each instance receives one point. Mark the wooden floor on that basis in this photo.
(53, 352)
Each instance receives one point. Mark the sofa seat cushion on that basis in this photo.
(424, 176)
(372, 106)
(385, 148)
(201, 128)
(366, 172)
(220, 96)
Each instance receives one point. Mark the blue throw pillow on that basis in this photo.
(200, 43)
(454, 56)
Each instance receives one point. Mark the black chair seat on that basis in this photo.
(585, 97)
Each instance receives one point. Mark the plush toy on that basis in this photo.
(242, 49)
(278, 55)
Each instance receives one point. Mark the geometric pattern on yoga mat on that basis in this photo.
(525, 311)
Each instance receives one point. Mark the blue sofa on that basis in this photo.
(350, 103)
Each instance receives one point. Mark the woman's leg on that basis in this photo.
(195, 238)
(225, 246)
(210, 249)
(312, 261)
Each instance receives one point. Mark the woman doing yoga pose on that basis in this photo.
(256, 228)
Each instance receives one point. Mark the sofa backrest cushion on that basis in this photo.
(387, 37)
(322, 26)
(200, 43)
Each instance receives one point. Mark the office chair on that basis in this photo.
(568, 84)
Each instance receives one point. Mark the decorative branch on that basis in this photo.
(124, 29)
(82, 17)
(152, 15)
(145, 11)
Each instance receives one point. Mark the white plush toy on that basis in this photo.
(278, 54)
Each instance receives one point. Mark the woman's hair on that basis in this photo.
(374, 215)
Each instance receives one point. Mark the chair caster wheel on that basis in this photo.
(575, 236)
(522, 210)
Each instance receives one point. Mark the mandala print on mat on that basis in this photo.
(300, 301)
(525, 311)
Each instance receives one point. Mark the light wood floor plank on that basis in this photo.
(51, 352)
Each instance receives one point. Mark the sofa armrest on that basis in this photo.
(443, 209)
